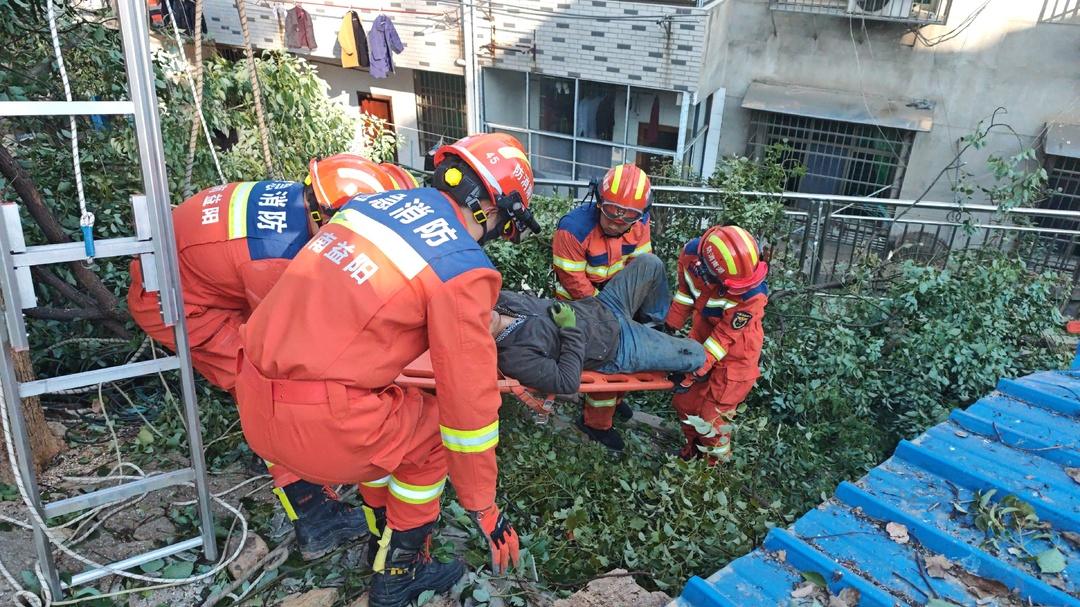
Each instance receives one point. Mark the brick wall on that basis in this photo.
(430, 30)
(602, 40)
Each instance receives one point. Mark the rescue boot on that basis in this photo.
(376, 524)
(689, 451)
(609, 438)
(322, 523)
(404, 569)
(623, 411)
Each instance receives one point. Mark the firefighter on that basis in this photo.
(391, 276)
(233, 243)
(592, 244)
(722, 282)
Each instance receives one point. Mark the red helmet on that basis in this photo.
(624, 193)
(403, 180)
(335, 179)
(732, 255)
(506, 176)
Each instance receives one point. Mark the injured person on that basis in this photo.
(546, 345)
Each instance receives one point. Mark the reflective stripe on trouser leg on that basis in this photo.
(599, 409)
(282, 475)
(279, 475)
(376, 492)
(414, 488)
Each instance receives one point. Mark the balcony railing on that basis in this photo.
(922, 12)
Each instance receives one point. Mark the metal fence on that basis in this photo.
(823, 238)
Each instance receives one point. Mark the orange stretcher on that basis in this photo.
(420, 375)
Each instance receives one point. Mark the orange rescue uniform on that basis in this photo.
(729, 326)
(233, 243)
(584, 259)
(391, 276)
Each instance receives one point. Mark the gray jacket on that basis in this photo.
(547, 358)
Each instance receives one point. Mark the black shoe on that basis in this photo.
(406, 570)
(326, 526)
(624, 412)
(609, 438)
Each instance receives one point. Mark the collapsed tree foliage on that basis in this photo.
(847, 372)
(881, 355)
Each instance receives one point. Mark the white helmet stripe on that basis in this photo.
(362, 176)
(480, 168)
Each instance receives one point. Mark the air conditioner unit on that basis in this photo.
(894, 9)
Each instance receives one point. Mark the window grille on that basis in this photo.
(1063, 192)
(841, 158)
(440, 108)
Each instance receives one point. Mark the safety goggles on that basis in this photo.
(702, 271)
(616, 212)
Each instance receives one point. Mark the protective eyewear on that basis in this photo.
(616, 212)
(702, 271)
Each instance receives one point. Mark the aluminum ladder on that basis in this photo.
(155, 243)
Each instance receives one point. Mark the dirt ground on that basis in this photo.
(117, 532)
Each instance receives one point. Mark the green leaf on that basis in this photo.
(984, 498)
(178, 570)
(814, 577)
(145, 436)
(481, 595)
(1051, 561)
(152, 566)
(424, 597)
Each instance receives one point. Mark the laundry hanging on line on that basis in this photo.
(384, 42)
(299, 31)
(353, 41)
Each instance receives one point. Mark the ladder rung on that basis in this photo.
(97, 376)
(75, 251)
(116, 493)
(95, 574)
(65, 108)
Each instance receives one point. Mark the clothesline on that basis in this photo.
(364, 9)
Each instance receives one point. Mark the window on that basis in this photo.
(841, 158)
(1063, 187)
(578, 129)
(440, 108)
(551, 104)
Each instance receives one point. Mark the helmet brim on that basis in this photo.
(741, 286)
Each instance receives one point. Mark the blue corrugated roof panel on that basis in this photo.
(1022, 440)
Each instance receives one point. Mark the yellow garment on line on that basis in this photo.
(353, 41)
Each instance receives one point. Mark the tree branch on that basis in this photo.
(43, 275)
(65, 313)
(54, 233)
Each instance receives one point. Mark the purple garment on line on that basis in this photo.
(382, 40)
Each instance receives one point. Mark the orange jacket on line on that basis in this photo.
(392, 275)
(585, 258)
(729, 326)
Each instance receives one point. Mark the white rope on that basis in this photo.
(199, 89)
(86, 218)
(199, 118)
(39, 523)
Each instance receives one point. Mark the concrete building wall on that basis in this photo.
(1005, 58)
(430, 30)
(345, 84)
(601, 40)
